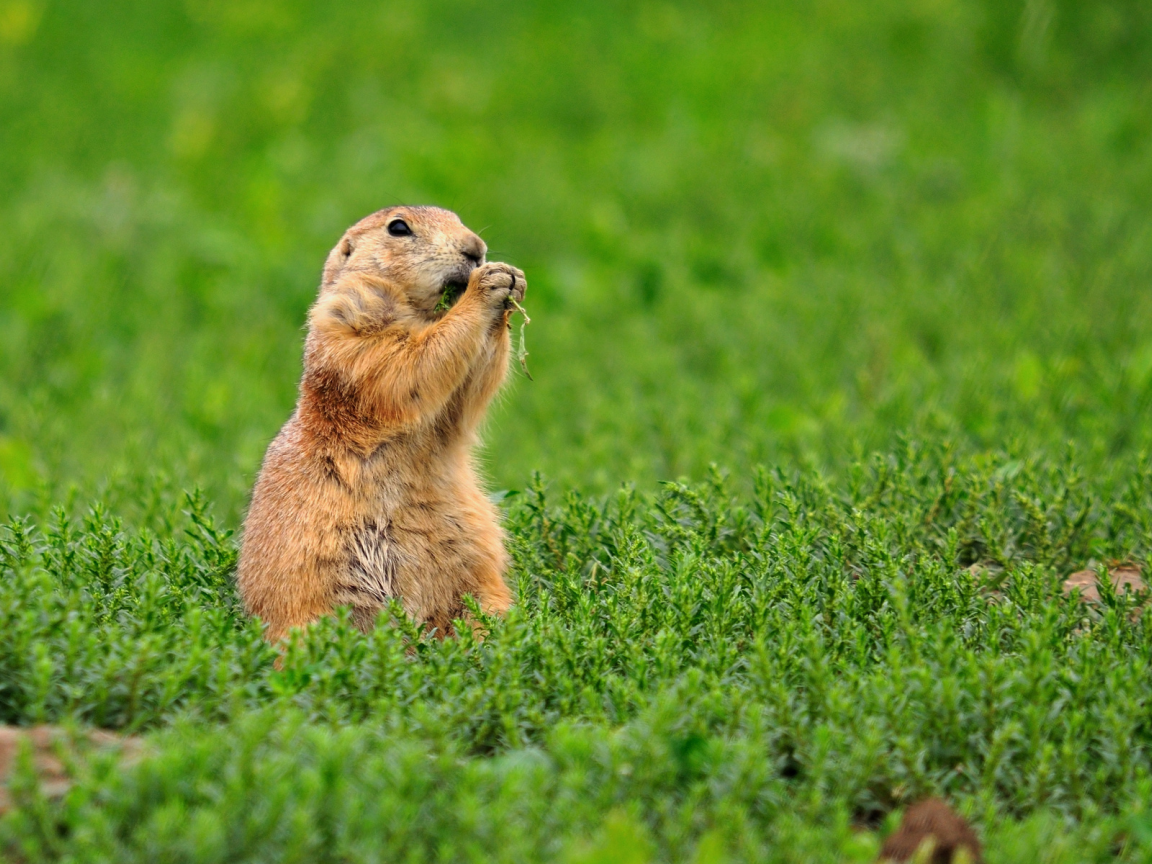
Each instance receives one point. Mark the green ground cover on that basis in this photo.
(787, 235)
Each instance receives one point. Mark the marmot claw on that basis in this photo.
(500, 281)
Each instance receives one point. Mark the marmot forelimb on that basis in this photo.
(369, 493)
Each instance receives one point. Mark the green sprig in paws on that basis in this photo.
(448, 298)
(452, 294)
(521, 346)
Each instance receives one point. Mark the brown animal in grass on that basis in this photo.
(932, 822)
(369, 492)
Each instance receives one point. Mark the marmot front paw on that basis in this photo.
(497, 282)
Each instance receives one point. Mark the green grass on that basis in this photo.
(749, 675)
(783, 234)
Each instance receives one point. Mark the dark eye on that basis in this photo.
(399, 228)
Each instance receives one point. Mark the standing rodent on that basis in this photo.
(369, 493)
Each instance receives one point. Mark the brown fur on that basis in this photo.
(369, 491)
(932, 821)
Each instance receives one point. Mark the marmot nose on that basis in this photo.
(474, 249)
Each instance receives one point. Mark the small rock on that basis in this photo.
(932, 823)
(1125, 578)
(45, 741)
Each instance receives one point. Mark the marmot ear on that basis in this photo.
(334, 263)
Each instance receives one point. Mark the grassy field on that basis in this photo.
(887, 265)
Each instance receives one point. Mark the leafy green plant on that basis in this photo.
(816, 651)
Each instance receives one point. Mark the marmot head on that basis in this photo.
(419, 251)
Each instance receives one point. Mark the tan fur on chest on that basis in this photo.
(369, 493)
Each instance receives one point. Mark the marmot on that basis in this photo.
(369, 492)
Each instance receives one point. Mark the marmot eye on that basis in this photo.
(399, 228)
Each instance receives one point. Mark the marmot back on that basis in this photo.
(369, 493)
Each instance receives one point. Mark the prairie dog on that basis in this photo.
(369, 491)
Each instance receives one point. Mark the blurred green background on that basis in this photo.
(754, 232)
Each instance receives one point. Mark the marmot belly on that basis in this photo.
(324, 535)
(426, 551)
